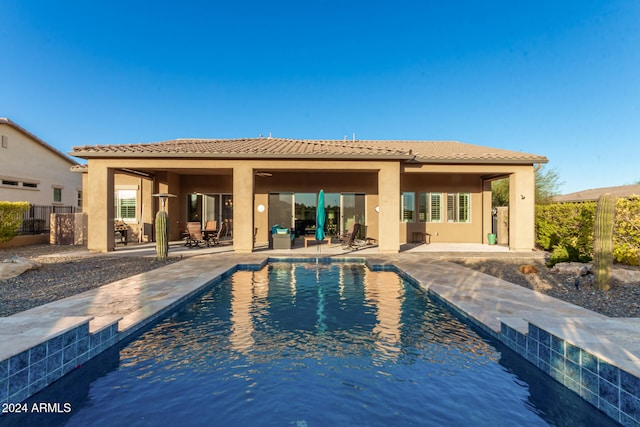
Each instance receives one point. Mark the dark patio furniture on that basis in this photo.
(121, 231)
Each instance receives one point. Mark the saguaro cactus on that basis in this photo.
(162, 235)
(603, 240)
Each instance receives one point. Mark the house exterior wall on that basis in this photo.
(25, 160)
(445, 232)
(521, 197)
(140, 228)
(522, 209)
(381, 181)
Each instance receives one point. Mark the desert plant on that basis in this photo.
(626, 233)
(603, 240)
(162, 235)
(11, 219)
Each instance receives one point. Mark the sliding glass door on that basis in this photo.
(353, 211)
(298, 211)
(281, 210)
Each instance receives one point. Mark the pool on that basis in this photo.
(311, 345)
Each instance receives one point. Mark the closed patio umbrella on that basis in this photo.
(320, 220)
(320, 217)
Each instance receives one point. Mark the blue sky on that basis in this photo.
(557, 78)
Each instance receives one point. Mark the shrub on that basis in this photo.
(626, 232)
(567, 230)
(11, 219)
(568, 226)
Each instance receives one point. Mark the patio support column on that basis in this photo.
(487, 215)
(242, 208)
(389, 202)
(522, 210)
(100, 195)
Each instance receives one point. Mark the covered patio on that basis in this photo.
(401, 192)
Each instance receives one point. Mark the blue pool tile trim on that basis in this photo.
(28, 372)
(605, 386)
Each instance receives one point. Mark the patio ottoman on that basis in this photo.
(282, 241)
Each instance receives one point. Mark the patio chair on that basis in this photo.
(350, 240)
(195, 234)
(183, 232)
(214, 238)
(210, 229)
(211, 226)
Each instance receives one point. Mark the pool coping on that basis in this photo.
(595, 356)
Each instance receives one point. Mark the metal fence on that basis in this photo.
(36, 219)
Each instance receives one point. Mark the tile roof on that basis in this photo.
(420, 151)
(594, 193)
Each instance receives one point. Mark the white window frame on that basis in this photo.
(459, 206)
(125, 196)
(57, 190)
(433, 207)
(407, 206)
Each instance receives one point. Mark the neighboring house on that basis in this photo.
(33, 171)
(594, 193)
(398, 190)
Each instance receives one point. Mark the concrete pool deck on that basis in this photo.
(497, 306)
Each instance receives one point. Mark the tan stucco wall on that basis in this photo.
(26, 160)
(313, 182)
(145, 205)
(444, 232)
(18, 241)
(381, 181)
(522, 210)
(389, 202)
(100, 194)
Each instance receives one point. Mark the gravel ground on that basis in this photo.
(622, 300)
(68, 273)
(64, 273)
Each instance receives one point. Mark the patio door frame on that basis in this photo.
(220, 203)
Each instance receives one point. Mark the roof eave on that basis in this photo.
(107, 155)
(523, 161)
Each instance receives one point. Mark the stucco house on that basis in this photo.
(397, 189)
(32, 170)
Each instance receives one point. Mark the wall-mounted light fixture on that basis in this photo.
(260, 208)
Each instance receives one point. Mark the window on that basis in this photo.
(5, 141)
(125, 202)
(79, 199)
(9, 182)
(57, 195)
(408, 207)
(30, 184)
(430, 207)
(459, 207)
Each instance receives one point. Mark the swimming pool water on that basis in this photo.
(311, 345)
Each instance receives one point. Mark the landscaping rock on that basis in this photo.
(625, 275)
(575, 268)
(15, 266)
